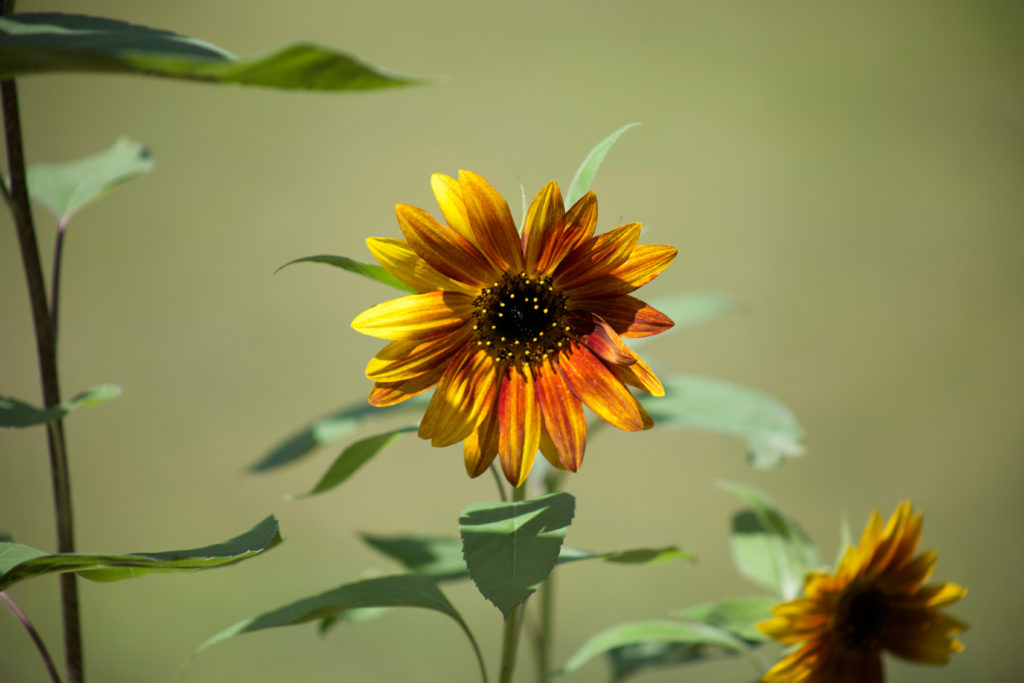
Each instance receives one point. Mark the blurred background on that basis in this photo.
(851, 173)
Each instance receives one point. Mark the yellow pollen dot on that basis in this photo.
(494, 327)
(511, 295)
(502, 304)
(475, 327)
(501, 315)
(535, 307)
(534, 300)
(540, 334)
(545, 310)
(527, 352)
(567, 328)
(502, 339)
(559, 345)
(535, 339)
(554, 324)
(517, 341)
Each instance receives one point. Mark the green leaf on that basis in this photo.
(634, 556)
(20, 562)
(353, 457)
(17, 413)
(769, 548)
(367, 270)
(697, 641)
(693, 402)
(584, 177)
(738, 616)
(66, 187)
(34, 43)
(406, 590)
(510, 548)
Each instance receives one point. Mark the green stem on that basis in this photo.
(543, 635)
(33, 634)
(47, 354)
(513, 622)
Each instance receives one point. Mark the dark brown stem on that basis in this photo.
(33, 634)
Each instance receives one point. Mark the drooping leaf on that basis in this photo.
(634, 556)
(693, 402)
(406, 590)
(769, 548)
(510, 548)
(584, 176)
(353, 616)
(353, 457)
(20, 562)
(654, 644)
(17, 413)
(368, 270)
(66, 187)
(35, 43)
(738, 616)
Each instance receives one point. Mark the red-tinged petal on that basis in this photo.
(386, 394)
(399, 259)
(564, 422)
(449, 198)
(520, 421)
(466, 394)
(417, 316)
(597, 257)
(491, 222)
(405, 359)
(589, 379)
(481, 446)
(627, 315)
(638, 375)
(643, 265)
(549, 450)
(599, 337)
(579, 224)
(542, 229)
(443, 248)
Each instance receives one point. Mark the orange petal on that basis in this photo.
(643, 265)
(579, 224)
(481, 446)
(491, 222)
(443, 248)
(599, 337)
(417, 316)
(543, 228)
(549, 450)
(405, 359)
(589, 379)
(449, 198)
(638, 375)
(386, 394)
(597, 257)
(466, 393)
(520, 421)
(564, 422)
(399, 259)
(627, 315)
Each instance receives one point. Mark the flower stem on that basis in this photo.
(33, 634)
(47, 353)
(542, 636)
(513, 622)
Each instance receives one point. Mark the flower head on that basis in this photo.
(877, 600)
(517, 332)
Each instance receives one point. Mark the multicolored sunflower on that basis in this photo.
(877, 600)
(517, 332)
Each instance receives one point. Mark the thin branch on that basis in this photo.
(33, 634)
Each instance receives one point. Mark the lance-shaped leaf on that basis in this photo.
(353, 457)
(20, 562)
(17, 413)
(406, 590)
(66, 187)
(370, 271)
(654, 644)
(584, 177)
(32, 43)
(693, 402)
(510, 548)
(738, 616)
(769, 548)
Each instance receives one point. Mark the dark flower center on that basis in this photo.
(860, 618)
(521, 318)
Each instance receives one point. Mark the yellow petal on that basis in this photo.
(519, 424)
(443, 248)
(466, 394)
(404, 359)
(449, 198)
(643, 265)
(564, 422)
(417, 316)
(589, 379)
(542, 229)
(386, 394)
(597, 257)
(399, 259)
(481, 446)
(491, 222)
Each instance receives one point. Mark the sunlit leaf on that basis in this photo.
(368, 270)
(406, 590)
(66, 187)
(20, 562)
(353, 457)
(584, 177)
(510, 548)
(738, 616)
(693, 402)
(33, 43)
(769, 548)
(17, 413)
(634, 556)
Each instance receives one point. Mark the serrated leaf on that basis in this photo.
(692, 402)
(40, 42)
(17, 413)
(354, 457)
(20, 562)
(406, 590)
(66, 187)
(769, 548)
(584, 176)
(510, 548)
(686, 642)
(738, 616)
(368, 270)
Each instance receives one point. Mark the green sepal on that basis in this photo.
(584, 176)
(354, 457)
(370, 271)
(17, 413)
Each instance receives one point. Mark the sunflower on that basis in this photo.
(518, 333)
(875, 601)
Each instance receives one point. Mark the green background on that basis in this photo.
(851, 173)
